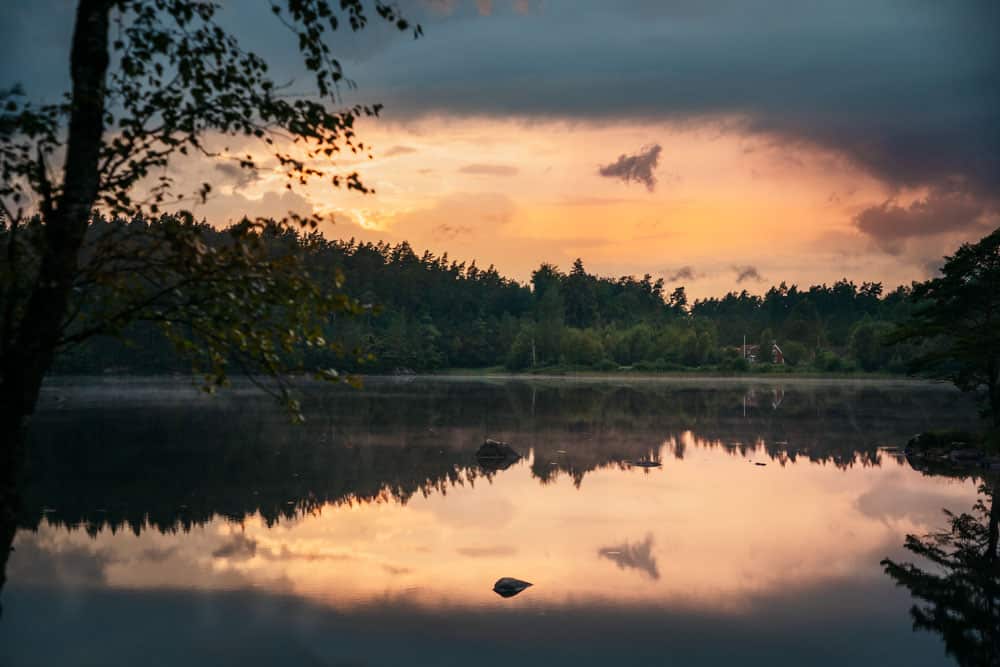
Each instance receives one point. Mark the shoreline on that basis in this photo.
(472, 375)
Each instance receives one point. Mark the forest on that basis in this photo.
(426, 313)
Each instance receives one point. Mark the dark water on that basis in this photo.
(161, 527)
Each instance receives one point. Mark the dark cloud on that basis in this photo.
(237, 176)
(852, 76)
(399, 150)
(942, 211)
(685, 272)
(638, 167)
(636, 556)
(906, 90)
(744, 273)
(489, 169)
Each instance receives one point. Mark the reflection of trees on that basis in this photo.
(170, 464)
(960, 597)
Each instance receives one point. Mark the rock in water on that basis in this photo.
(496, 455)
(508, 587)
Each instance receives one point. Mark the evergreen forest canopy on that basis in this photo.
(421, 313)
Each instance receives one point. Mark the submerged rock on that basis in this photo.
(508, 587)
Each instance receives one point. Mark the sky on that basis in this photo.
(717, 144)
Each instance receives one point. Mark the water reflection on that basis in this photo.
(959, 593)
(375, 521)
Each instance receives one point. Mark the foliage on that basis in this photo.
(154, 81)
(434, 312)
(957, 318)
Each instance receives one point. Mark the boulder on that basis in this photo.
(508, 587)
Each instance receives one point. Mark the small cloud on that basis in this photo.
(239, 177)
(489, 169)
(685, 272)
(399, 150)
(638, 167)
(452, 231)
(636, 556)
(744, 273)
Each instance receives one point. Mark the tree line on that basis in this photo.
(407, 311)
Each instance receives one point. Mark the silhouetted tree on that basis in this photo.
(957, 317)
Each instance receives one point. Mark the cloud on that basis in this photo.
(447, 231)
(638, 167)
(744, 273)
(462, 214)
(489, 169)
(685, 272)
(237, 175)
(942, 211)
(398, 150)
(637, 556)
(852, 76)
(222, 209)
(486, 552)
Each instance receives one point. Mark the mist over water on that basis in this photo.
(158, 524)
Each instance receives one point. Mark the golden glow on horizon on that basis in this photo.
(514, 194)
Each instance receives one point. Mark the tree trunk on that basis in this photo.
(993, 540)
(25, 363)
(9, 501)
(994, 389)
(29, 358)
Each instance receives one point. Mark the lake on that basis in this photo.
(163, 527)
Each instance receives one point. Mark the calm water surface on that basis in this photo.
(161, 527)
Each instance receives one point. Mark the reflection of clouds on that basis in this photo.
(893, 500)
(638, 556)
(47, 565)
(240, 547)
(156, 554)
